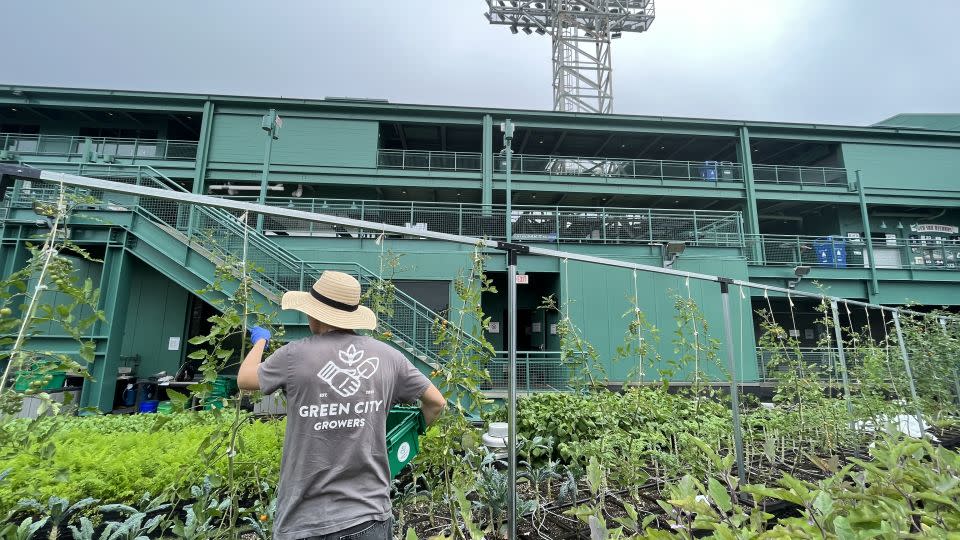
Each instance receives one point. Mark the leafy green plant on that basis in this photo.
(73, 311)
(460, 378)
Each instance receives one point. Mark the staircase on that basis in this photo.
(197, 239)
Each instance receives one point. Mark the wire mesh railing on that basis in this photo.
(430, 160)
(799, 175)
(709, 171)
(105, 147)
(531, 223)
(536, 371)
(845, 252)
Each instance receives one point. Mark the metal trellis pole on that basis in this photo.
(734, 391)
(843, 360)
(512, 393)
(906, 365)
(508, 151)
(956, 377)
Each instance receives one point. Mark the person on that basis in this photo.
(339, 386)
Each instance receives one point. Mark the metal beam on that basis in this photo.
(654, 142)
(523, 143)
(38, 113)
(184, 124)
(679, 148)
(603, 146)
(723, 150)
(403, 137)
(131, 117)
(794, 146)
(556, 146)
(84, 115)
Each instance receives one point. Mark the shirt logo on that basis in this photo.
(344, 376)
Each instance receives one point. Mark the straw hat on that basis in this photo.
(335, 300)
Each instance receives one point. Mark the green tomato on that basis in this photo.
(6, 312)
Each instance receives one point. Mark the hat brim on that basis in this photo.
(361, 319)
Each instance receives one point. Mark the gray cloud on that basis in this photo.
(836, 61)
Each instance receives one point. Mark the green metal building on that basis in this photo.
(872, 211)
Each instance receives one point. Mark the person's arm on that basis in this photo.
(247, 377)
(432, 403)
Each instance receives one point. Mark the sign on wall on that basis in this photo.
(934, 228)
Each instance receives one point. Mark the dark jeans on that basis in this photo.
(370, 530)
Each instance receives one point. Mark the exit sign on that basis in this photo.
(523, 279)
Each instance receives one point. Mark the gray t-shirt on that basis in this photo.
(334, 472)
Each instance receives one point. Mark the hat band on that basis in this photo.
(333, 303)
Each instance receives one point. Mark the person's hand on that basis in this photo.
(257, 333)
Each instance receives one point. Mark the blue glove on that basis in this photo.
(257, 333)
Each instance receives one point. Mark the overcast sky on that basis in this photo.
(830, 61)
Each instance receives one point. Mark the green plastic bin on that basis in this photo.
(27, 377)
(404, 427)
(165, 407)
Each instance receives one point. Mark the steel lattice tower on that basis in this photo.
(581, 32)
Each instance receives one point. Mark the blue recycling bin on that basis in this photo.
(708, 171)
(831, 252)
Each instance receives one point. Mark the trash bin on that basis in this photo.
(831, 252)
(404, 427)
(708, 171)
(728, 171)
(149, 406)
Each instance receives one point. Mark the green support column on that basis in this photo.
(874, 283)
(271, 124)
(200, 167)
(486, 186)
(752, 220)
(114, 285)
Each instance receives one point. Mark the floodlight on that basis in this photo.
(581, 31)
(800, 272)
(671, 251)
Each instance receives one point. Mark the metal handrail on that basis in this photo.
(535, 223)
(74, 145)
(843, 252)
(429, 160)
(711, 171)
(802, 175)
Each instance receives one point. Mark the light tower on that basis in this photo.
(581, 32)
